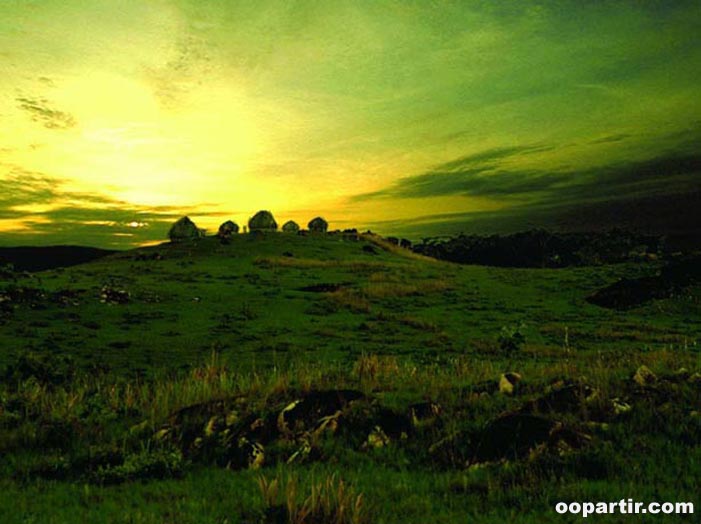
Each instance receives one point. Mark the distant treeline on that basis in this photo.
(540, 248)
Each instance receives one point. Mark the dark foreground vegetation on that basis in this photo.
(379, 441)
(339, 378)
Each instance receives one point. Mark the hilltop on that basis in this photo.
(261, 300)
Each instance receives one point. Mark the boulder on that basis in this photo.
(304, 414)
(111, 295)
(262, 221)
(290, 227)
(227, 229)
(424, 414)
(644, 376)
(515, 435)
(508, 382)
(318, 225)
(184, 230)
(564, 396)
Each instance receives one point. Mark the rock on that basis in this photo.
(508, 382)
(377, 438)
(562, 397)
(512, 436)
(515, 435)
(251, 455)
(66, 297)
(324, 287)
(424, 414)
(351, 234)
(184, 230)
(303, 453)
(327, 424)
(644, 376)
(290, 227)
(396, 426)
(619, 406)
(141, 257)
(405, 243)
(318, 225)
(453, 450)
(283, 420)
(228, 229)
(110, 295)
(369, 248)
(480, 389)
(304, 414)
(262, 221)
(682, 374)
(393, 240)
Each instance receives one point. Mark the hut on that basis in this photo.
(184, 230)
(318, 225)
(262, 221)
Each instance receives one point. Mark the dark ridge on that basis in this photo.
(628, 293)
(50, 257)
(544, 249)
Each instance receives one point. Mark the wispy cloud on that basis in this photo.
(41, 205)
(485, 174)
(41, 111)
(478, 174)
(23, 187)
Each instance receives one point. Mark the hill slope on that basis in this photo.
(435, 391)
(262, 301)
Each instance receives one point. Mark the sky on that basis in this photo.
(418, 117)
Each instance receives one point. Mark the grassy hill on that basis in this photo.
(115, 368)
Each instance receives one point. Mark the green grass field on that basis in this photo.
(99, 361)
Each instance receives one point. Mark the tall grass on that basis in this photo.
(329, 501)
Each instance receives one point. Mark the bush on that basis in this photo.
(154, 464)
(46, 369)
(511, 339)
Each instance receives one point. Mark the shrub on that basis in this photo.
(154, 464)
(46, 369)
(511, 339)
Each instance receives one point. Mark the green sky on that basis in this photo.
(118, 116)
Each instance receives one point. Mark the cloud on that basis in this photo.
(23, 187)
(659, 195)
(674, 214)
(611, 138)
(477, 174)
(42, 209)
(485, 174)
(488, 157)
(41, 111)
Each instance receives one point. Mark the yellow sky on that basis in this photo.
(222, 110)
